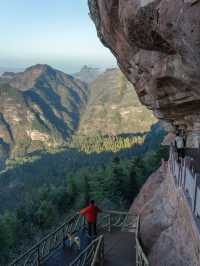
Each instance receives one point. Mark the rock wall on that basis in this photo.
(168, 231)
(157, 46)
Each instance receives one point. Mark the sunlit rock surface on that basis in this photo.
(157, 45)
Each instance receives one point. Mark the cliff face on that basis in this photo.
(168, 231)
(157, 46)
(156, 43)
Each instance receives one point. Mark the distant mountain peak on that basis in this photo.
(8, 75)
(112, 69)
(39, 69)
(40, 107)
(85, 67)
(88, 74)
(27, 79)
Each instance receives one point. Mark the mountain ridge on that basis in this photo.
(42, 107)
(88, 74)
(44, 103)
(113, 107)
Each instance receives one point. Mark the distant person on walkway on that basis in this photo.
(180, 146)
(91, 213)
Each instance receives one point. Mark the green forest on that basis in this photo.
(51, 185)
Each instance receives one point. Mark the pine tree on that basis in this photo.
(117, 181)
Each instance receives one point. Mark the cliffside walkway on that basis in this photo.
(187, 178)
(119, 250)
(118, 244)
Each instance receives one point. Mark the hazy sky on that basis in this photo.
(59, 33)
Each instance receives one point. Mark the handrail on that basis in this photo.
(99, 253)
(44, 248)
(187, 179)
(92, 254)
(117, 219)
(117, 212)
(141, 258)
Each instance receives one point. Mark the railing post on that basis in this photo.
(172, 160)
(102, 252)
(109, 223)
(136, 236)
(175, 168)
(136, 249)
(38, 256)
(194, 194)
(181, 173)
(63, 236)
(141, 259)
(184, 173)
(83, 223)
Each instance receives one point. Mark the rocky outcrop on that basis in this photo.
(157, 46)
(167, 226)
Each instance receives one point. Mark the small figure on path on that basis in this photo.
(180, 146)
(91, 213)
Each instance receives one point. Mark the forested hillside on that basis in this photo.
(113, 107)
(48, 186)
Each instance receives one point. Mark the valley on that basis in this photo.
(65, 139)
(42, 108)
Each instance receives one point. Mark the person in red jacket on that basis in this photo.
(91, 213)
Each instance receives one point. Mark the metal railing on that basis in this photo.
(41, 251)
(187, 179)
(110, 220)
(141, 258)
(125, 221)
(93, 255)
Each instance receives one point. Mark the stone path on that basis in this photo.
(120, 249)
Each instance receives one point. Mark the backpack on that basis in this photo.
(179, 142)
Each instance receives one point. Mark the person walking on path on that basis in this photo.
(180, 145)
(91, 213)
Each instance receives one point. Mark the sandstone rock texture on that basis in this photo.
(168, 231)
(157, 46)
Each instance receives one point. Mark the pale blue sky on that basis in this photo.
(55, 32)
